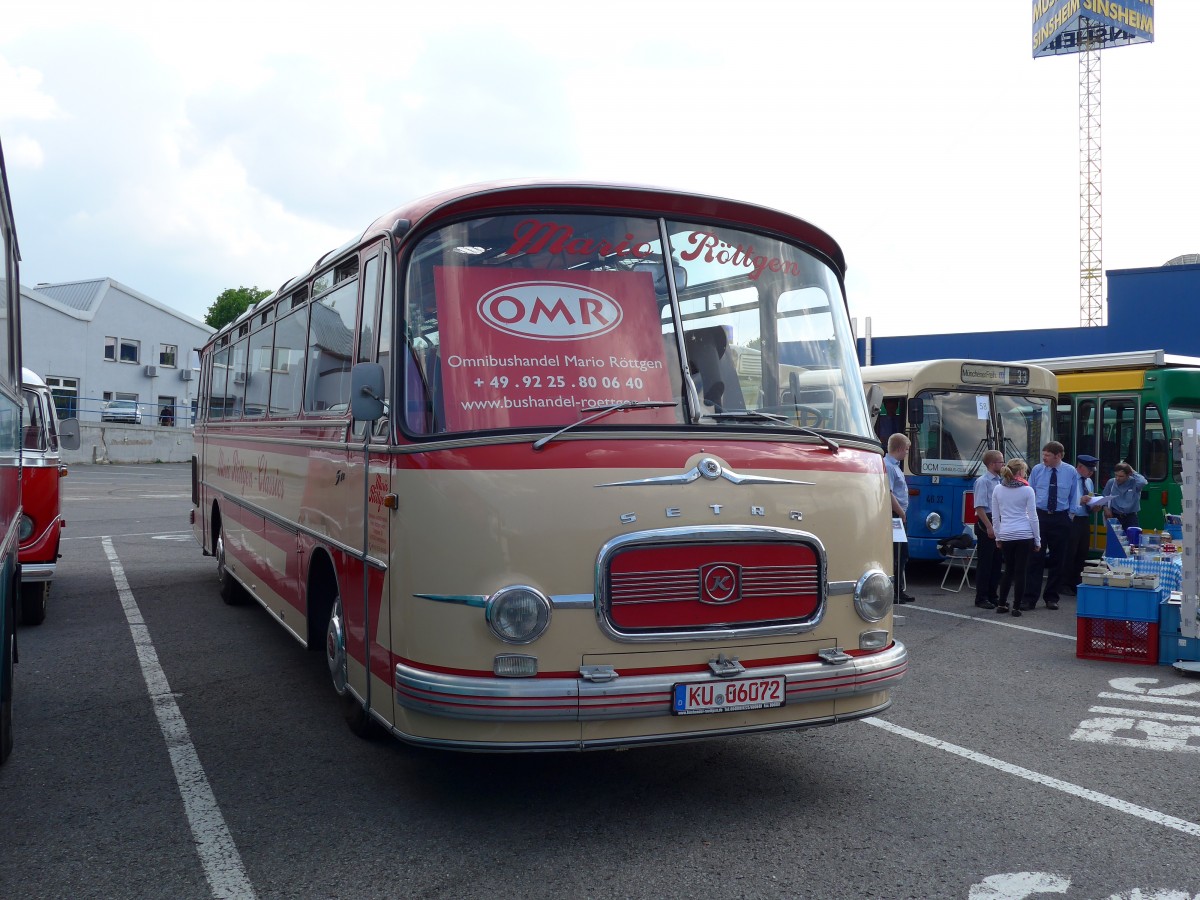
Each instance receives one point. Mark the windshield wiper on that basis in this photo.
(599, 412)
(829, 442)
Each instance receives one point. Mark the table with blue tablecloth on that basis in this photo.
(1168, 568)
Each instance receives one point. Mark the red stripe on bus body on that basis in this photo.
(647, 454)
(591, 454)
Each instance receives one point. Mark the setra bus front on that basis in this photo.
(634, 494)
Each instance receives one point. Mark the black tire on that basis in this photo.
(7, 657)
(34, 597)
(231, 590)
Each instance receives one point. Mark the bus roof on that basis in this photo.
(29, 378)
(486, 196)
(957, 372)
(489, 196)
(1133, 359)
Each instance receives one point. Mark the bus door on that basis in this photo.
(1106, 427)
(369, 477)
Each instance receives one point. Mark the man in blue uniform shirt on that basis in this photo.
(1081, 524)
(1058, 491)
(987, 554)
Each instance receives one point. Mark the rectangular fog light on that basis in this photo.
(872, 640)
(512, 665)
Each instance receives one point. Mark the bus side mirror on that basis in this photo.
(916, 411)
(366, 392)
(68, 434)
(874, 401)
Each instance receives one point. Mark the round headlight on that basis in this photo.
(933, 521)
(873, 596)
(26, 530)
(518, 614)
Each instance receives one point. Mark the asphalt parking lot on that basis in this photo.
(170, 745)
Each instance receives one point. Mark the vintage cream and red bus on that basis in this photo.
(10, 458)
(616, 484)
(43, 438)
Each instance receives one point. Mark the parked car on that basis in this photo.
(121, 411)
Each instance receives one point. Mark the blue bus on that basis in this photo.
(953, 410)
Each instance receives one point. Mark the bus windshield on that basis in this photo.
(957, 427)
(531, 320)
(1026, 424)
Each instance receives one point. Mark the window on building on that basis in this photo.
(131, 351)
(65, 392)
(167, 355)
(110, 348)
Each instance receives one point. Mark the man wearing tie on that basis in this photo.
(1057, 489)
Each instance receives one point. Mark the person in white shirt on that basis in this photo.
(1015, 520)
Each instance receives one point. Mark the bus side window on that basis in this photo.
(330, 350)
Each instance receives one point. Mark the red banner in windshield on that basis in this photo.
(528, 348)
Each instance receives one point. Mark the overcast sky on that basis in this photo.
(182, 149)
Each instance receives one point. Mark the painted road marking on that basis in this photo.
(1020, 885)
(1066, 787)
(1005, 621)
(1144, 729)
(214, 844)
(93, 537)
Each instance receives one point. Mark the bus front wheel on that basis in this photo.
(353, 711)
(231, 592)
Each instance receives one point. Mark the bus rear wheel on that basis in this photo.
(34, 597)
(354, 712)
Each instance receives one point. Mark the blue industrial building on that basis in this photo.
(1148, 309)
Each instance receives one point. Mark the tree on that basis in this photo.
(231, 303)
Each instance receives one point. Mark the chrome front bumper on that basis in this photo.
(37, 571)
(630, 696)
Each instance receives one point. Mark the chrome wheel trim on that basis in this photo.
(221, 557)
(335, 648)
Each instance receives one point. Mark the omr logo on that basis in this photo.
(549, 311)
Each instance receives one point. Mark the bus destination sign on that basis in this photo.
(981, 373)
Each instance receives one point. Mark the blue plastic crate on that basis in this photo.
(1130, 604)
(1174, 647)
(1168, 618)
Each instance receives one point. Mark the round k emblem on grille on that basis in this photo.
(720, 583)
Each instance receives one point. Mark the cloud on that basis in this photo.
(21, 95)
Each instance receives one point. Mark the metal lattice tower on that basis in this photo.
(1091, 245)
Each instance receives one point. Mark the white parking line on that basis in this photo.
(93, 537)
(214, 844)
(1066, 787)
(1006, 621)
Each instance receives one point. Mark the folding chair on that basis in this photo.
(957, 559)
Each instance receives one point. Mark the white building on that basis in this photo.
(98, 340)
